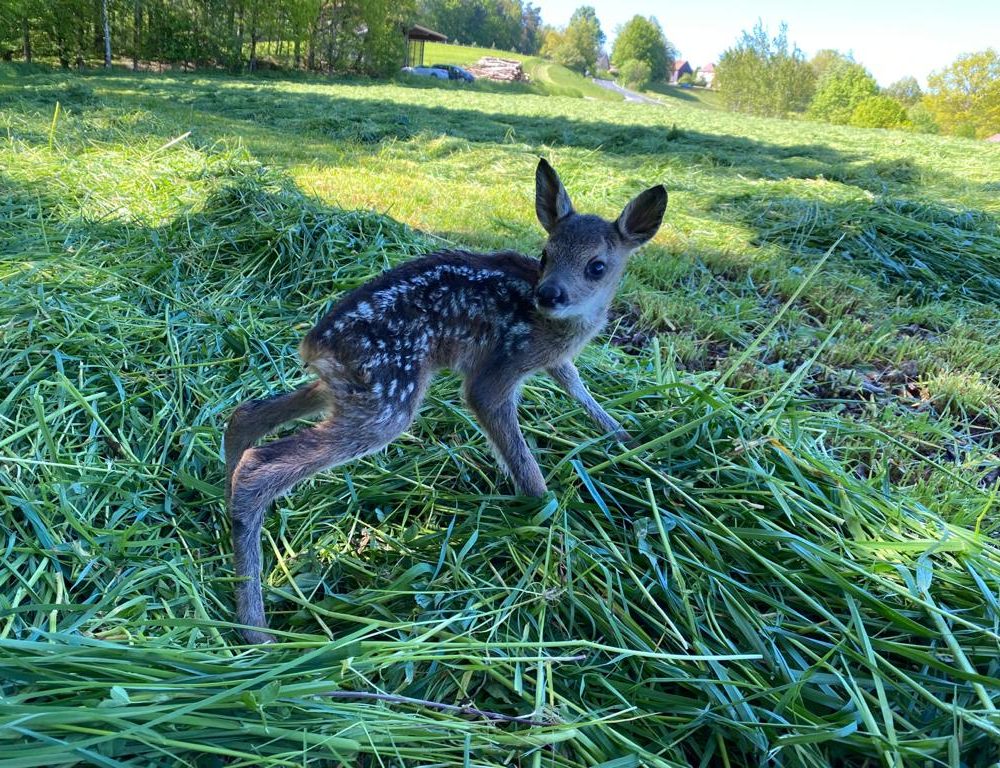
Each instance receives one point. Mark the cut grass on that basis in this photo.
(799, 566)
(927, 250)
(703, 97)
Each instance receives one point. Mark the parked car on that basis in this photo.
(456, 73)
(440, 74)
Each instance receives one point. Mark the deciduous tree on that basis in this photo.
(964, 98)
(506, 24)
(765, 76)
(642, 39)
(531, 29)
(906, 91)
(826, 58)
(586, 15)
(106, 30)
(342, 35)
(579, 44)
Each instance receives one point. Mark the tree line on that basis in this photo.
(767, 75)
(508, 25)
(362, 36)
(343, 36)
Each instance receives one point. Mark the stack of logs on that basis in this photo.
(493, 68)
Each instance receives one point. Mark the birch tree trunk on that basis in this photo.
(137, 16)
(26, 38)
(107, 34)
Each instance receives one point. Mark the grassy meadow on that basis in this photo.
(704, 97)
(795, 564)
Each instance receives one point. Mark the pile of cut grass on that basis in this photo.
(728, 591)
(929, 251)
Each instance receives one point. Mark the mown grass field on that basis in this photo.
(705, 97)
(796, 564)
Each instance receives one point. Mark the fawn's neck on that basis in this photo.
(570, 334)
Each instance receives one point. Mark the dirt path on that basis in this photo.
(629, 95)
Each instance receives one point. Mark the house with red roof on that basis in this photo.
(707, 73)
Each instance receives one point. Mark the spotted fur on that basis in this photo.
(446, 310)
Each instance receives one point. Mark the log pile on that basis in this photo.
(494, 68)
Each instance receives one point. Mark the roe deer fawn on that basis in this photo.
(494, 318)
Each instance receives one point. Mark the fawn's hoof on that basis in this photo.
(623, 437)
(258, 637)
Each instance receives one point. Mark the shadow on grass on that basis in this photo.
(694, 96)
(673, 92)
(236, 277)
(280, 124)
(889, 240)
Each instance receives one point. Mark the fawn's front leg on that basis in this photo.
(493, 399)
(568, 377)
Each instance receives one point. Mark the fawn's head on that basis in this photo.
(584, 256)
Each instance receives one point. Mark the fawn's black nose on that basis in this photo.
(550, 295)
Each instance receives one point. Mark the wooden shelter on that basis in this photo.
(416, 36)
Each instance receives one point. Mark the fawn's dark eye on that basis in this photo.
(595, 269)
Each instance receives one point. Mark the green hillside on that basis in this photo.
(552, 78)
(693, 96)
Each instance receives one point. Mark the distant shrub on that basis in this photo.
(965, 131)
(879, 112)
(921, 119)
(841, 89)
(692, 79)
(634, 74)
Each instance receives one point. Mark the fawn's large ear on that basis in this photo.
(552, 202)
(643, 216)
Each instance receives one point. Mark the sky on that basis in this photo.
(892, 38)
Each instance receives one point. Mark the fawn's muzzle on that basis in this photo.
(551, 295)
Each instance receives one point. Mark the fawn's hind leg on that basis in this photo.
(255, 418)
(270, 470)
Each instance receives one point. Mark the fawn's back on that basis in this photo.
(452, 309)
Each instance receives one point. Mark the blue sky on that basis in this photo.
(892, 39)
